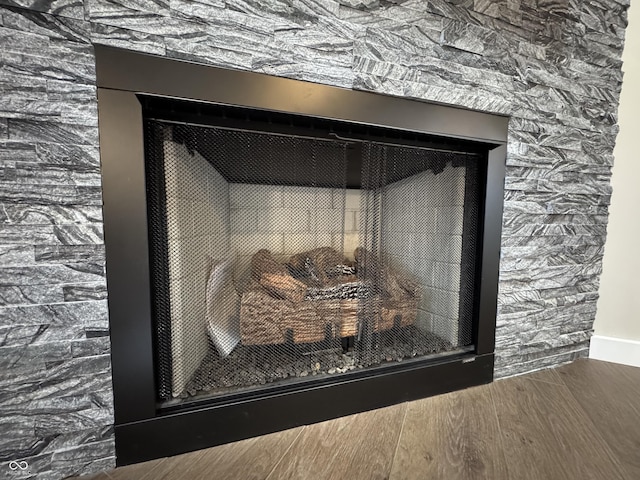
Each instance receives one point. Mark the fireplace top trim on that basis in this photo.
(119, 69)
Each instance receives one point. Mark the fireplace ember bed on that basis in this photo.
(280, 253)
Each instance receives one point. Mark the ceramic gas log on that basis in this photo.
(335, 299)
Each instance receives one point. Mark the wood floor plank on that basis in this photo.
(139, 471)
(546, 434)
(356, 447)
(452, 436)
(549, 375)
(97, 476)
(250, 459)
(609, 394)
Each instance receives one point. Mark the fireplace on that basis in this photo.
(280, 253)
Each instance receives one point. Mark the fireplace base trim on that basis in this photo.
(194, 429)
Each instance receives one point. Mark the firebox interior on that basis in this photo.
(284, 253)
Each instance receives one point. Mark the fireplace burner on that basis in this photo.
(280, 253)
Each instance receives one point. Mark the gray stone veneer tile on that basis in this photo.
(222, 44)
(59, 441)
(13, 152)
(39, 466)
(52, 234)
(87, 291)
(33, 196)
(553, 346)
(581, 200)
(90, 347)
(21, 42)
(15, 83)
(36, 68)
(86, 459)
(471, 38)
(299, 12)
(488, 102)
(106, 8)
(15, 255)
(122, 38)
(507, 366)
(69, 253)
(399, 47)
(54, 132)
(30, 294)
(150, 23)
(12, 357)
(554, 230)
(50, 274)
(377, 68)
(80, 95)
(536, 259)
(79, 234)
(23, 335)
(334, 56)
(550, 260)
(442, 8)
(208, 53)
(336, 76)
(30, 109)
(544, 318)
(74, 377)
(55, 423)
(76, 156)
(65, 8)
(25, 214)
(71, 51)
(36, 174)
(530, 300)
(579, 158)
(91, 313)
(513, 215)
(52, 26)
(26, 235)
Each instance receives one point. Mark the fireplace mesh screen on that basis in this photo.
(278, 258)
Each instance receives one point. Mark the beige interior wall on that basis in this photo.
(618, 312)
(198, 234)
(287, 220)
(422, 220)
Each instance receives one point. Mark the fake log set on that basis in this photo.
(319, 294)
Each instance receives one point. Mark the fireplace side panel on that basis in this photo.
(422, 220)
(198, 237)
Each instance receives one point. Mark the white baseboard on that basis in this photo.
(616, 350)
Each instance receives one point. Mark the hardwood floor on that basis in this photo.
(579, 421)
(592, 384)
(359, 446)
(546, 434)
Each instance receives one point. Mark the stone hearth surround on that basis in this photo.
(552, 65)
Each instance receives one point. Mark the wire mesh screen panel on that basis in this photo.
(270, 264)
(412, 224)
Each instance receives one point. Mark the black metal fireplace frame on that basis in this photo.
(142, 429)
